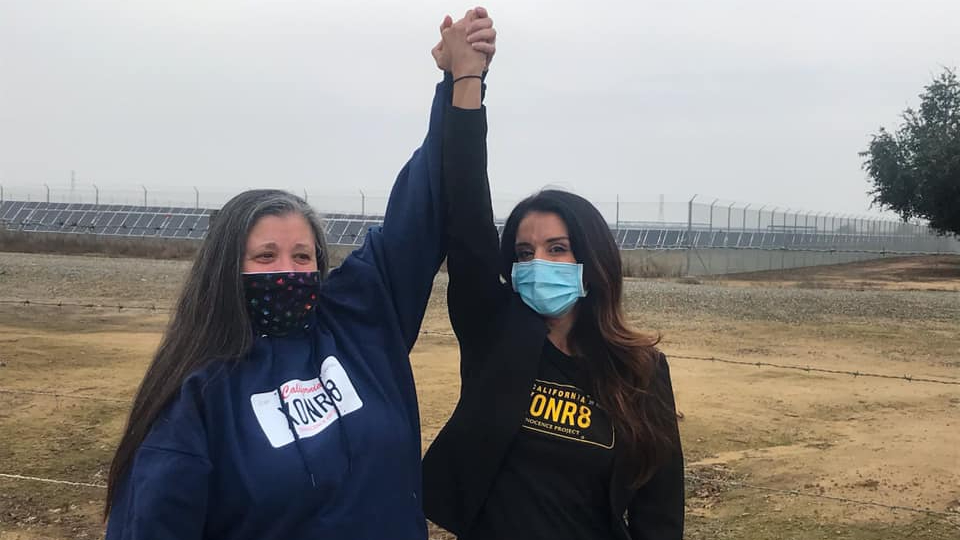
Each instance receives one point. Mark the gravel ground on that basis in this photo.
(789, 305)
(156, 282)
(39, 277)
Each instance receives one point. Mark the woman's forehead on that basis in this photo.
(287, 229)
(541, 227)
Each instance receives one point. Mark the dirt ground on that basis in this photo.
(910, 273)
(770, 452)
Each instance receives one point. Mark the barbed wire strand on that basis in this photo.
(60, 395)
(807, 369)
(90, 305)
(51, 481)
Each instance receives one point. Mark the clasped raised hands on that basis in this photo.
(467, 46)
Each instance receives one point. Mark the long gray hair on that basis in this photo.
(210, 322)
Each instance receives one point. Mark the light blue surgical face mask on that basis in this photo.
(549, 288)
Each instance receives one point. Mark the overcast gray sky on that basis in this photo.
(761, 101)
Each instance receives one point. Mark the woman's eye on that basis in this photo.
(263, 256)
(558, 249)
(524, 255)
(303, 257)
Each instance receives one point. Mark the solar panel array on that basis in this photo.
(350, 229)
(147, 221)
(104, 219)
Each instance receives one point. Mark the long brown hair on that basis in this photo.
(623, 362)
(210, 322)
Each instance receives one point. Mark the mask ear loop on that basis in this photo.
(583, 283)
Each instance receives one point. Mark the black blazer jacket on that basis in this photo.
(501, 340)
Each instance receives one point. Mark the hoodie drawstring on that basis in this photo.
(291, 423)
(285, 408)
(344, 438)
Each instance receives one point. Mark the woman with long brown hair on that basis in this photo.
(281, 402)
(566, 426)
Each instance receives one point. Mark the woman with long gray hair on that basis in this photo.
(280, 402)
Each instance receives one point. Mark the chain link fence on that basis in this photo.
(714, 236)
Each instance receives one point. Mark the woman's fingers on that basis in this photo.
(484, 47)
(481, 34)
(488, 35)
(472, 35)
(480, 24)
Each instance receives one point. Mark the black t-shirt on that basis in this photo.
(555, 479)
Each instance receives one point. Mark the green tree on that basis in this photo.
(915, 171)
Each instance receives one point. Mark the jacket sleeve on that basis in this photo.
(405, 253)
(164, 494)
(475, 293)
(656, 511)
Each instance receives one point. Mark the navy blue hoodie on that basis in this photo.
(315, 435)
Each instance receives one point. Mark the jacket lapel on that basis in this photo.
(502, 388)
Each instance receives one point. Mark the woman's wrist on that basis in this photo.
(467, 93)
(463, 71)
(467, 77)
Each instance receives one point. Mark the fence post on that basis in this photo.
(711, 213)
(760, 215)
(363, 204)
(726, 236)
(690, 232)
(144, 194)
(48, 192)
(96, 196)
(196, 199)
(743, 224)
(618, 215)
(884, 237)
